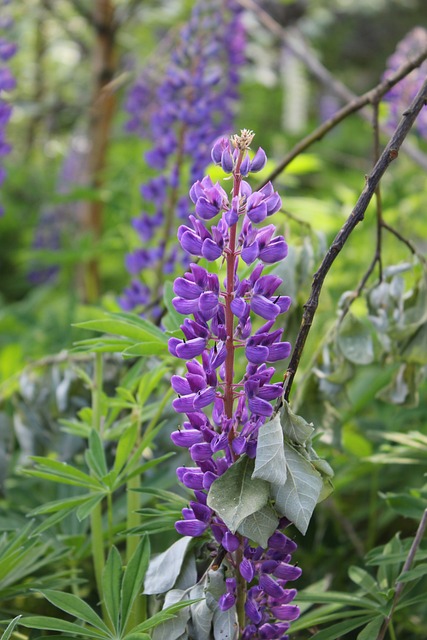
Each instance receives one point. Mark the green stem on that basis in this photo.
(97, 537)
(139, 609)
(392, 631)
(97, 543)
(97, 393)
(241, 589)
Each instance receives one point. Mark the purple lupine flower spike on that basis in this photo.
(182, 110)
(222, 414)
(7, 83)
(406, 89)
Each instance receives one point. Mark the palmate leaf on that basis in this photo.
(63, 473)
(163, 616)
(126, 325)
(236, 495)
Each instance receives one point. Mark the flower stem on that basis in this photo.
(229, 295)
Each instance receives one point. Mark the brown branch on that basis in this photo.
(293, 41)
(408, 563)
(389, 154)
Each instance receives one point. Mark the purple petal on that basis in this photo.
(250, 253)
(286, 612)
(185, 306)
(191, 527)
(270, 586)
(191, 348)
(186, 437)
(191, 243)
(258, 214)
(186, 289)
(287, 571)
(226, 601)
(264, 307)
(258, 161)
(230, 542)
(201, 452)
(210, 250)
(279, 351)
(184, 404)
(260, 407)
(257, 354)
(238, 306)
(204, 398)
(247, 570)
(275, 251)
(193, 479)
(208, 305)
(205, 209)
(180, 385)
(284, 302)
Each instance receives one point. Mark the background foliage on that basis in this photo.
(361, 380)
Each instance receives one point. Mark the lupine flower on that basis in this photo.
(7, 83)
(223, 414)
(57, 221)
(188, 109)
(404, 91)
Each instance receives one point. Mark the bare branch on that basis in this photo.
(389, 154)
(293, 40)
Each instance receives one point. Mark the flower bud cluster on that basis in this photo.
(223, 413)
(7, 82)
(402, 93)
(188, 110)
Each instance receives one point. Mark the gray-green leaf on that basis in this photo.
(295, 428)
(235, 495)
(259, 526)
(270, 462)
(157, 580)
(355, 341)
(297, 498)
(225, 625)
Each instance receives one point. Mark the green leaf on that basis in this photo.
(259, 526)
(406, 505)
(111, 578)
(9, 629)
(95, 455)
(124, 447)
(295, 428)
(62, 472)
(364, 580)
(355, 340)
(127, 326)
(75, 606)
(85, 509)
(235, 495)
(297, 498)
(163, 616)
(173, 628)
(55, 624)
(133, 579)
(270, 464)
(413, 574)
(372, 629)
(146, 349)
(337, 630)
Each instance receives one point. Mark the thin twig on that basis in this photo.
(412, 248)
(293, 40)
(408, 563)
(389, 154)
